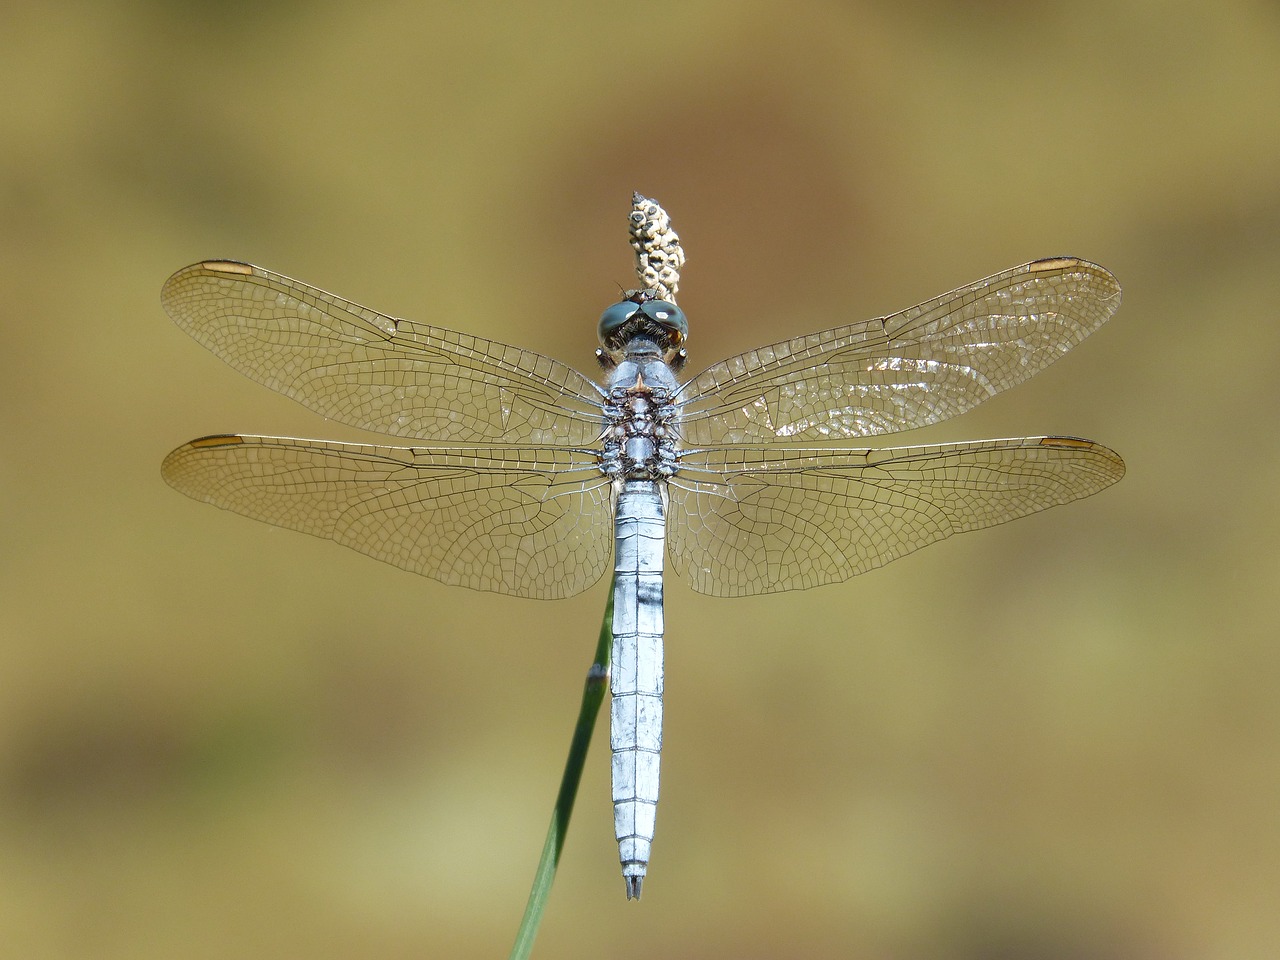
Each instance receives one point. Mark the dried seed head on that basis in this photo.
(659, 255)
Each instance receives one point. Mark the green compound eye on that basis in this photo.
(615, 316)
(668, 316)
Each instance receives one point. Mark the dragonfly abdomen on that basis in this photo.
(636, 679)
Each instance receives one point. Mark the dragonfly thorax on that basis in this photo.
(640, 416)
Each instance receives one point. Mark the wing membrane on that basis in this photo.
(529, 522)
(918, 367)
(390, 376)
(747, 520)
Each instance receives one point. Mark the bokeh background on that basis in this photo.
(1058, 739)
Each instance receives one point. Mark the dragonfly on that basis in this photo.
(534, 475)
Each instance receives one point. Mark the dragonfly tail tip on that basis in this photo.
(633, 887)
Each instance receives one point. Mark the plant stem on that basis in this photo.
(593, 693)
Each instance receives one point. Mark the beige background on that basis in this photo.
(1058, 739)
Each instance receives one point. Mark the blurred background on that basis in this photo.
(1056, 739)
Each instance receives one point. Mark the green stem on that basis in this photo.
(593, 692)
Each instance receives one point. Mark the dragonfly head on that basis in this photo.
(643, 315)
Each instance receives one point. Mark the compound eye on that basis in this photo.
(669, 316)
(614, 317)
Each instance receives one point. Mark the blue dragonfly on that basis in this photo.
(532, 475)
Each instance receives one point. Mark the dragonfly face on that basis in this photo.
(522, 476)
(642, 315)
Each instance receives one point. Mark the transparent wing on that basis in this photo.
(358, 366)
(750, 520)
(914, 368)
(529, 522)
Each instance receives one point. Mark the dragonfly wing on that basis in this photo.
(390, 376)
(529, 521)
(748, 520)
(917, 367)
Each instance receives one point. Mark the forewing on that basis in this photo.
(914, 368)
(391, 376)
(529, 522)
(749, 520)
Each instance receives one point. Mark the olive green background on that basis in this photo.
(1057, 739)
